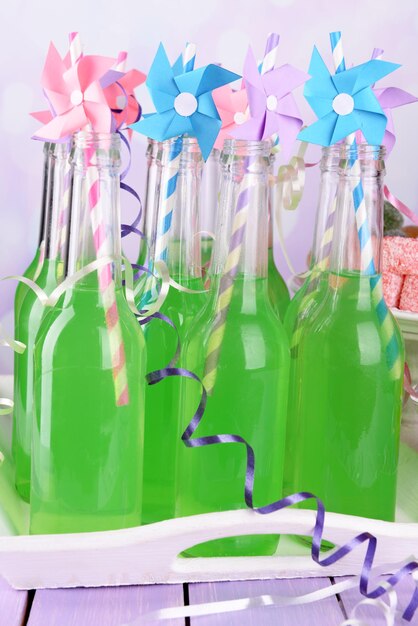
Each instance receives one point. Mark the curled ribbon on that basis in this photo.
(337, 554)
(398, 204)
(243, 604)
(287, 191)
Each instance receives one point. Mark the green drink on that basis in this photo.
(179, 247)
(87, 471)
(277, 288)
(29, 321)
(162, 401)
(348, 416)
(89, 373)
(249, 399)
(22, 289)
(247, 380)
(345, 395)
(29, 314)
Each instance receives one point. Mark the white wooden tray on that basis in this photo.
(149, 554)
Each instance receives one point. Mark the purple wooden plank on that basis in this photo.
(12, 605)
(404, 590)
(111, 606)
(324, 613)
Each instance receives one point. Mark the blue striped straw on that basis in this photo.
(169, 189)
(368, 267)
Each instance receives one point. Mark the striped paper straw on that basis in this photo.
(169, 191)
(121, 61)
(102, 245)
(270, 53)
(76, 53)
(226, 285)
(268, 63)
(76, 50)
(368, 267)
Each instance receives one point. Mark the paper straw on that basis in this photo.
(76, 51)
(368, 267)
(169, 192)
(189, 57)
(267, 65)
(103, 247)
(121, 61)
(226, 285)
(270, 53)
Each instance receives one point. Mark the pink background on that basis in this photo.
(222, 30)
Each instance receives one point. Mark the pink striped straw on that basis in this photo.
(121, 61)
(102, 246)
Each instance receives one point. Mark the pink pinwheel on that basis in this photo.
(233, 110)
(75, 96)
(272, 106)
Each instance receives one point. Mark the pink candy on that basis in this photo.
(400, 272)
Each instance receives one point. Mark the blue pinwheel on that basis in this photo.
(344, 102)
(183, 102)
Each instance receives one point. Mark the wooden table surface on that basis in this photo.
(118, 606)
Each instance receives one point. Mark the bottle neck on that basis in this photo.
(325, 216)
(56, 196)
(45, 175)
(359, 211)
(210, 193)
(176, 239)
(95, 208)
(153, 181)
(242, 229)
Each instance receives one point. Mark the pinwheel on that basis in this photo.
(390, 98)
(345, 102)
(118, 87)
(75, 96)
(233, 110)
(272, 106)
(183, 102)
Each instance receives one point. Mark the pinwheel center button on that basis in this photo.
(76, 97)
(271, 103)
(239, 118)
(185, 104)
(343, 104)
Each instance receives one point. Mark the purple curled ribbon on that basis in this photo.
(338, 554)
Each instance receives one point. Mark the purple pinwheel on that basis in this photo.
(390, 98)
(273, 109)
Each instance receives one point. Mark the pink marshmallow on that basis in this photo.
(392, 287)
(400, 255)
(409, 294)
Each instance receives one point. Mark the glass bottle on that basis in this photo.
(345, 405)
(22, 289)
(31, 311)
(90, 365)
(248, 394)
(209, 204)
(277, 288)
(310, 293)
(179, 247)
(152, 186)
